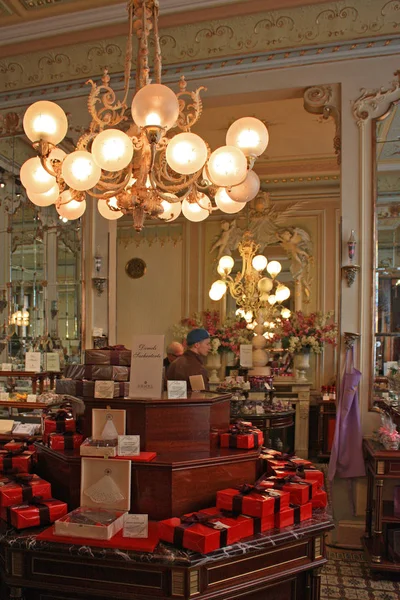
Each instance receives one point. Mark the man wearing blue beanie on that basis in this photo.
(191, 362)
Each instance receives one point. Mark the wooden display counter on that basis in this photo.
(282, 565)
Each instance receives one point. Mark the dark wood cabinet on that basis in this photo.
(383, 467)
(326, 426)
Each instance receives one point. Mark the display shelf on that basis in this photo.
(388, 513)
(384, 564)
(25, 405)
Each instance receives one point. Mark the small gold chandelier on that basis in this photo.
(253, 292)
(139, 167)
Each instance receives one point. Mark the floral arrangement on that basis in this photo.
(306, 332)
(226, 336)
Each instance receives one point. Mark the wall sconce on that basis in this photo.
(99, 283)
(98, 261)
(54, 309)
(350, 271)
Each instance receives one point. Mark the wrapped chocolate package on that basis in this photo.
(78, 372)
(75, 387)
(96, 523)
(111, 355)
(68, 440)
(102, 448)
(110, 373)
(38, 512)
(22, 488)
(107, 389)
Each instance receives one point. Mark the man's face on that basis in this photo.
(204, 347)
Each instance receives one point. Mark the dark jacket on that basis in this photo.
(185, 366)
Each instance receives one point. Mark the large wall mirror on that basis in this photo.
(386, 289)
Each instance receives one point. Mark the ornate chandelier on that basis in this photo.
(257, 297)
(141, 168)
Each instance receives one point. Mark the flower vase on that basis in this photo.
(301, 362)
(213, 365)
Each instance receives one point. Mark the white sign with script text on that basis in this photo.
(146, 366)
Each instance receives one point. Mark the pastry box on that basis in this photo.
(105, 498)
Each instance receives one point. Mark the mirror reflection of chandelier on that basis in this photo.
(140, 168)
(20, 318)
(253, 291)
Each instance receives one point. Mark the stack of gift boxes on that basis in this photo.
(59, 429)
(284, 495)
(25, 499)
(105, 374)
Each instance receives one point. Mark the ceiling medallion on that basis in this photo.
(135, 268)
(141, 168)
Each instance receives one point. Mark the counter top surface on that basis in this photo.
(166, 554)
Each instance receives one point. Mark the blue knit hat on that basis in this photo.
(196, 335)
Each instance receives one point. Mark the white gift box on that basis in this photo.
(95, 447)
(105, 486)
(100, 417)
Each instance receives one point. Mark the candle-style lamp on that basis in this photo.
(350, 271)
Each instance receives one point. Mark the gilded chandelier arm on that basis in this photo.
(189, 112)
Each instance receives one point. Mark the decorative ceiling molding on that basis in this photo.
(373, 103)
(296, 30)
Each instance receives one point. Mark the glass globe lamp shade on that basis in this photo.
(248, 316)
(221, 271)
(55, 154)
(45, 199)
(186, 153)
(194, 212)
(274, 268)
(282, 293)
(265, 284)
(226, 263)
(46, 121)
(172, 210)
(155, 104)
(264, 297)
(285, 313)
(80, 171)
(225, 203)
(34, 178)
(259, 262)
(112, 150)
(105, 210)
(247, 190)
(70, 209)
(272, 299)
(227, 166)
(218, 289)
(248, 134)
(206, 178)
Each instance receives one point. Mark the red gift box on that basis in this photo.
(311, 474)
(59, 422)
(19, 461)
(22, 488)
(36, 513)
(12, 446)
(301, 512)
(247, 501)
(300, 492)
(244, 439)
(65, 441)
(203, 532)
(239, 527)
(285, 518)
(142, 457)
(319, 499)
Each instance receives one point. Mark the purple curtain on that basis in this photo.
(346, 455)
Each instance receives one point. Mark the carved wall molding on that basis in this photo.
(325, 100)
(161, 234)
(373, 103)
(308, 30)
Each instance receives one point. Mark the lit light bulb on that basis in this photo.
(218, 289)
(155, 104)
(80, 171)
(274, 268)
(226, 263)
(104, 209)
(69, 208)
(248, 316)
(248, 134)
(34, 178)
(172, 210)
(247, 190)
(195, 213)
(282, 293)
(186, 153)
(240, 312)
(112, 150)
(45, 199)
(265, 284)
(225, 203)
(227, 166)
(259, 262)
(285, 313)
(272, 299)
(45, 121)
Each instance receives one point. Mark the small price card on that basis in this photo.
(246, 355)
(177, 390)
(31, 398)
(32, 361)
(4, 396)
(6, 366)
(128, 445)
(136, 526)
(52, 361)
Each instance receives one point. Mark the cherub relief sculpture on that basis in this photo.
(266, 225)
